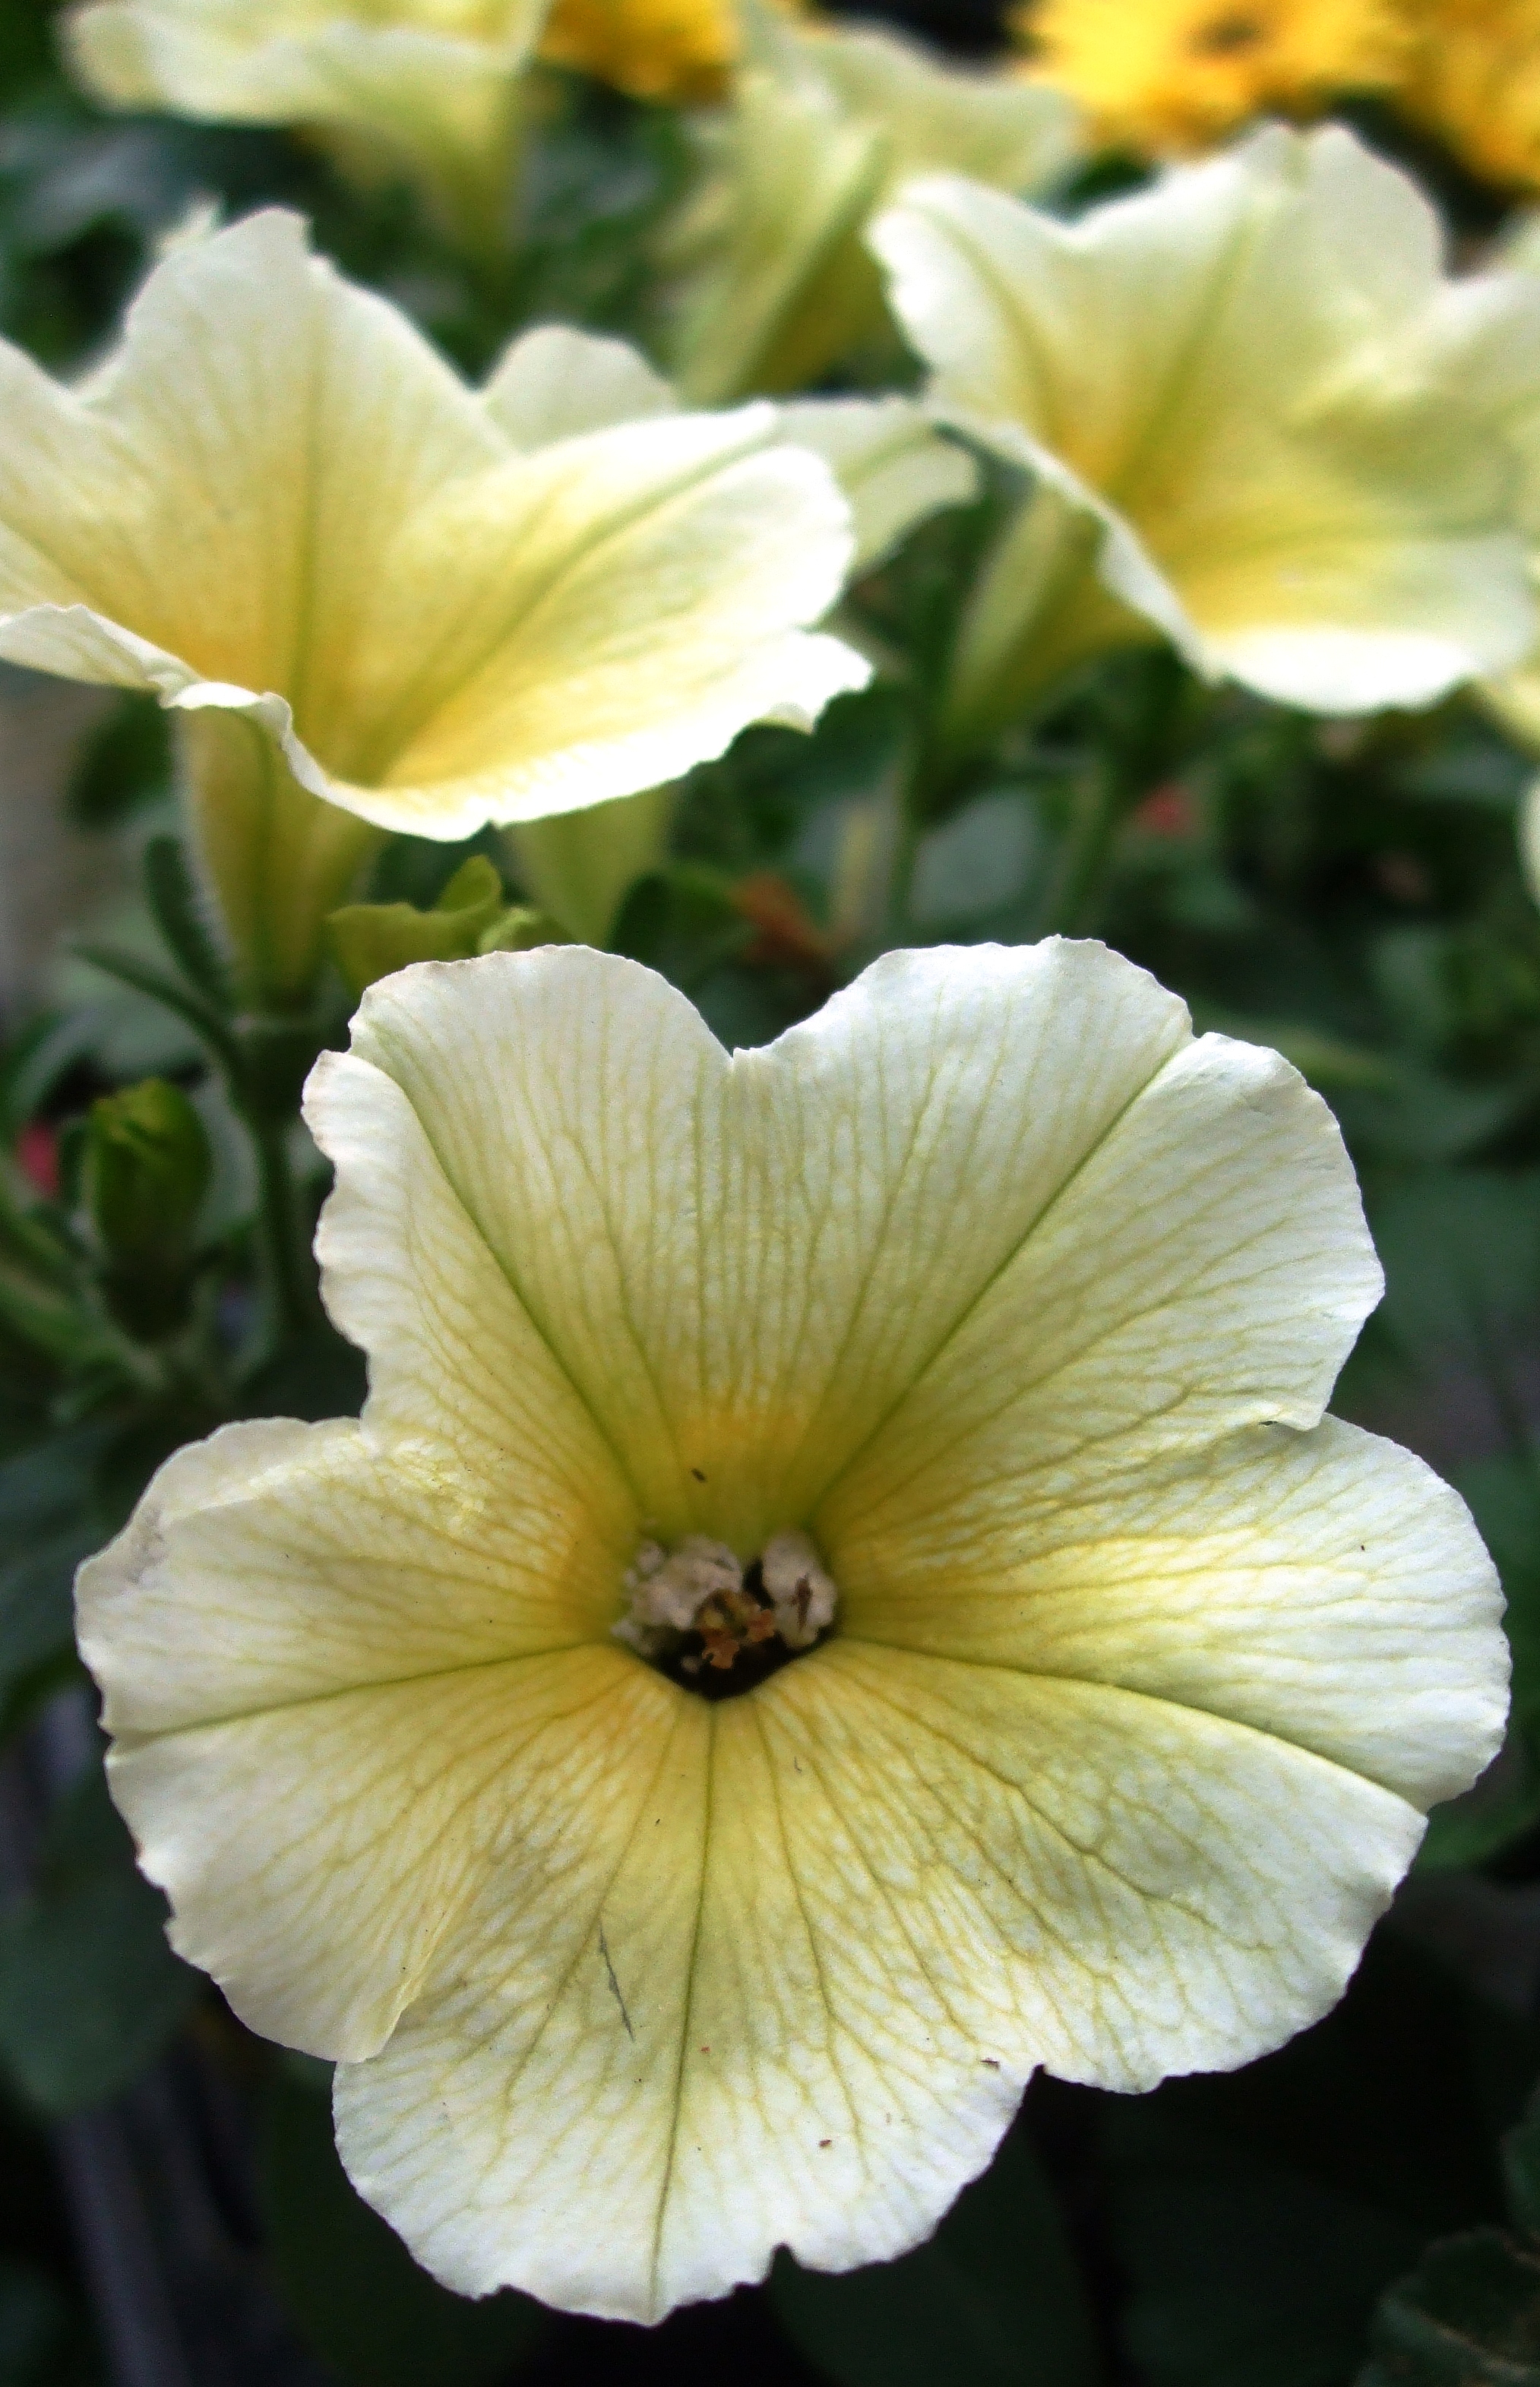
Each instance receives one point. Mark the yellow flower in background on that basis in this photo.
(890, 464)
(680, 50)
(1473, 81)
(279, 509)
(842, 1593)
(431, 89)
(773, 285)
(1170, 76)
(1260, 421)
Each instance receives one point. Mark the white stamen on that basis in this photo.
(666, 1590)
(802, 1593)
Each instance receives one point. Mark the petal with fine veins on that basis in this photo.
(1249, 378)
(1325, 1587)
(721, 2064)
(276, 500)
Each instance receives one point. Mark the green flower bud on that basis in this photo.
(147, 1170)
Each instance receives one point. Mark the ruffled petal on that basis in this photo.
(1324, 1587)
(786, 1984)
(1164, 1238)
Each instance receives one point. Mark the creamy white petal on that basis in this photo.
(1206, 1267)
(730, 1273)
(888, 462)
(610, 611)
(826, 120)
(278, 1562)
(553, 383)
(991, 124)
(228, 487)
(780, 286)
(787, 1983)
(1324, 1587)
(319, 1856)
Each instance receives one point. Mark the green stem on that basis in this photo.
(293, 1304)
(925, 782)
(901, 877)
(1098, 807)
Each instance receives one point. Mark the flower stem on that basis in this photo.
(1097, 808)
(291, 1303)
(924, 784)
(901, 875)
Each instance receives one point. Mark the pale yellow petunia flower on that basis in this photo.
(947, 1382)
(428, 89)
(1260, 419)
(1164, 77)
(678, 50)
(774, 285)
(278, 509)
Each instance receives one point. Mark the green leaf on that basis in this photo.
(317, 1375)
(995, 2299)
(349, 2283)
(90, 1993)
(1469, 2315)
(1450, 1362)
(180, 915)
(37, 1620)
(1329, 1063)
(1259, 2214)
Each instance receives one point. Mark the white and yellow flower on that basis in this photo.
(889, 462)
(1257, 417)
(946, 1382)
(824, 124)
(280, 510)
(429, 89)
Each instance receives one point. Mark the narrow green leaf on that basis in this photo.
(178, 914)
(205, 1022)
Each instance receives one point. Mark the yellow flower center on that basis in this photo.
(717, 1626)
